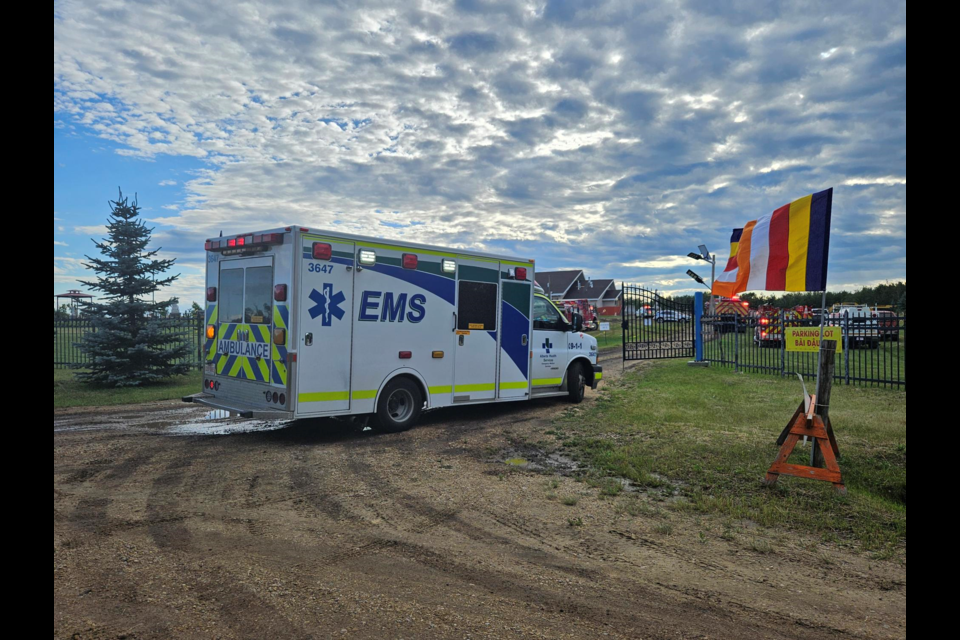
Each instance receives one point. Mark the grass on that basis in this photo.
(712, 433)
(68, 392)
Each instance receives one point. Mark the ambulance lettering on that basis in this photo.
(243, 349)
(379, 306)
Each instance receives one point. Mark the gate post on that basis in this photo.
(698, 324)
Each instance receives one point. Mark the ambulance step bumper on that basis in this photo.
(241, 409)
(597, 376)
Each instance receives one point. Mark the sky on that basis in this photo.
(613, 136)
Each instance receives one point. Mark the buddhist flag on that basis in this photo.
(786, 250)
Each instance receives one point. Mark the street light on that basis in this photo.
(696, 277)
(706, 256)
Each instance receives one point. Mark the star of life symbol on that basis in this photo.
(547, 345)
(326, 305)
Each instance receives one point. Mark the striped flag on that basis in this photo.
(786, 250)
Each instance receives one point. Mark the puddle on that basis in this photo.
(218, 426)
(533, 459)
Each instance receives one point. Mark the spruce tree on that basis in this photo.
(130, 343)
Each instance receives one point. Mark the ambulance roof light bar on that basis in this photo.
(243, 242)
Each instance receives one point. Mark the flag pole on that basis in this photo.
(823, 318)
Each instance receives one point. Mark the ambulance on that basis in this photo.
(302, 323)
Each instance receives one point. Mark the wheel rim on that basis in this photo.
(582, 384)
(400, 405)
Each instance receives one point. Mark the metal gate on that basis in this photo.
(656, 327)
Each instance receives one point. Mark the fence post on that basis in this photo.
(846, 347)
(698, 324)
(783, 343)
(736, 345)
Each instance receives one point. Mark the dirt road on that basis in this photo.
(317, 531)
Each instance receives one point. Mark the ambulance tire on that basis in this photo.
(576, 382)
(400, 405)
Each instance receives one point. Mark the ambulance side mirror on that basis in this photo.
(577, 322)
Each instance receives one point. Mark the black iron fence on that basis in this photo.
(874, 351)
(655, 327)
(67, 333)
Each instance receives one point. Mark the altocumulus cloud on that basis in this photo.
(609, 135)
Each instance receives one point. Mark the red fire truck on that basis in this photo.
(769, 327)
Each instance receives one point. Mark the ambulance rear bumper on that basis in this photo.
(239, 408)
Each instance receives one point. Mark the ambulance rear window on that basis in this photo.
(258, 296)
(231, 295)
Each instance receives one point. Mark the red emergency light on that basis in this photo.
(410, 261)
(322, 251)
(244, 242)
(521, 273)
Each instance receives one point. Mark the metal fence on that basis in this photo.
(874, 354)
(655, 327)
(67, 333)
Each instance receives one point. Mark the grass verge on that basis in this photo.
(712, 435)
(68, 392)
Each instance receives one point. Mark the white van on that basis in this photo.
(304, 323)
(859, 325)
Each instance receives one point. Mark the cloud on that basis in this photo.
(58, 243)
(98, 230)
(167, 183)
(604, 134)
(888, 181)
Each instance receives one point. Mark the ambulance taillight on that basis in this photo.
(211, 294)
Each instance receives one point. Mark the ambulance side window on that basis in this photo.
(477, 306)
(545, 316)
(231, 295)
(258, 296)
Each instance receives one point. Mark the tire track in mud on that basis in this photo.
(237, 606)
(166, 525)
(455, 520)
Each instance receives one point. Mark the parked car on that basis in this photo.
(671, 316)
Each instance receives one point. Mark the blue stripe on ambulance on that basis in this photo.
(515, 324)
(437, 285)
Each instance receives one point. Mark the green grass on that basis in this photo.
(712, 434)
(68, 392)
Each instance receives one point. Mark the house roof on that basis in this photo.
(557, 282)
(586, 292)
(600, 287)
(612, 294)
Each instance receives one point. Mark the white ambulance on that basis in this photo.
(303, 323)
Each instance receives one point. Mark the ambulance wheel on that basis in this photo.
(576, 383)
(400, 405)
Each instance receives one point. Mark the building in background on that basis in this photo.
(575, 285)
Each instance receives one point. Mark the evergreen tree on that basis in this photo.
(130, 344)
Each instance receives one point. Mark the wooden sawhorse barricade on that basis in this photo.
(807, 424)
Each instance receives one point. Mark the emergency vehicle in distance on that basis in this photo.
(303, 323)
